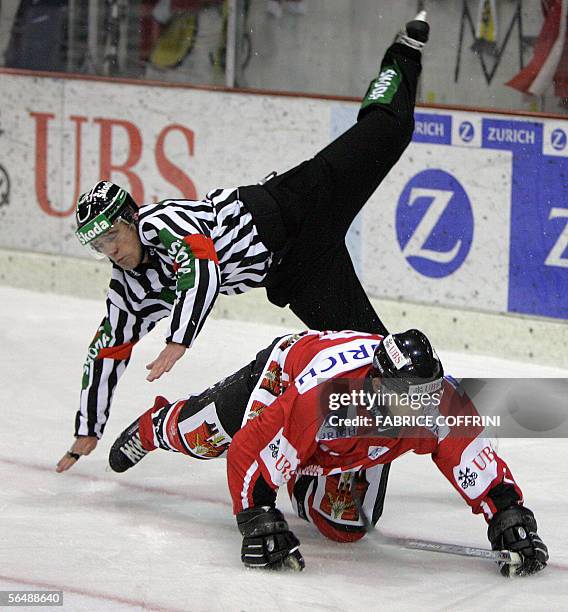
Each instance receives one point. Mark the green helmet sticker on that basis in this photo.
(103, 221)
(95, 228)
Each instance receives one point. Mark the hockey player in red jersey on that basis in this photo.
(275, 421)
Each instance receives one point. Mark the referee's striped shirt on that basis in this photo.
(197, 250)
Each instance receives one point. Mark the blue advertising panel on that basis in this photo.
(442, 208)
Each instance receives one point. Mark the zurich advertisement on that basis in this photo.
(476, 216)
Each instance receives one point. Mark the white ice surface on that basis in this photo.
(162, 537)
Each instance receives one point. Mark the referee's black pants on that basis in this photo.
(303, 215)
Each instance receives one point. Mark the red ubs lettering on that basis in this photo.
(116, 163)
(283, 465)
(484, 458)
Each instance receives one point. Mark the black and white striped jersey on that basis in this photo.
(197, 249)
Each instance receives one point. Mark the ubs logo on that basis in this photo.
(434, 223)
(4, 187)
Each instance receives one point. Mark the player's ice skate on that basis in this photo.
(128, 449)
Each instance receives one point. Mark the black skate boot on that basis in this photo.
(127, 450)
(415, 33)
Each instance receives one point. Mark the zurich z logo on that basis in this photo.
(434, 223)
(558, 139)
(466, 131)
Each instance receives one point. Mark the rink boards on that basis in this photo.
(474, 215)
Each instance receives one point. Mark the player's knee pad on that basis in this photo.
(189, 426)
(199, 428)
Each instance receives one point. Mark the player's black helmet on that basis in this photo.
(407, 363)
(99, 208)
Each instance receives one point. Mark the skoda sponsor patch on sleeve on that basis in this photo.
(182, 257)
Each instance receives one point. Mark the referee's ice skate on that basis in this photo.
(415, 33)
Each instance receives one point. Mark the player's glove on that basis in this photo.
(267, 541)
(514, 529)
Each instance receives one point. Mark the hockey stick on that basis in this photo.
(498, 556)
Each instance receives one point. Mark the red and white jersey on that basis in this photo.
(282, 438)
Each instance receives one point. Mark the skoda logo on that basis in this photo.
(434, 223)
(466, 131)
